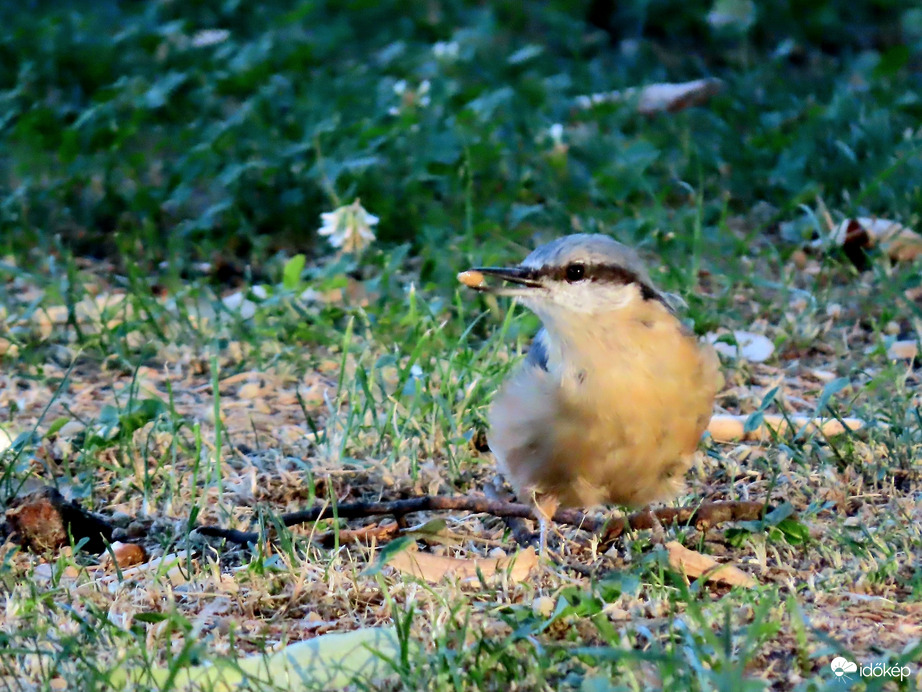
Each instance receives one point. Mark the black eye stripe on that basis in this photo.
(602, 273)
(608, 273)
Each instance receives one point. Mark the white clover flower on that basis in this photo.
(410, 98)
(445, 50)
(349, 227)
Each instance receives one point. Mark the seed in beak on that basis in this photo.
(471, 278)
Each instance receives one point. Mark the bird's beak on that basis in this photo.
(521, 276)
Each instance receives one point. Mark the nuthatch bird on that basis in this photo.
(612, 399)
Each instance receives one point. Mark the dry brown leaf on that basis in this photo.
(434, 568)
(89, 313)
(730, 428)
(903, 350)
(755, 348)
(901, 244)
(49, 570)
(693, 564)
(251, 390)
(242, 377)
(822, 375)
(658, 98)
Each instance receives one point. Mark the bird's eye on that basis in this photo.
(576, 272)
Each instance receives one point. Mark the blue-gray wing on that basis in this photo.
(537, 354)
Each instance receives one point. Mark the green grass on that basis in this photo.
(144, 179)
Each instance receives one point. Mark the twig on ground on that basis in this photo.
(380, 532)
(702, 517)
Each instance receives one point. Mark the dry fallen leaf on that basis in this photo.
(434, 568)
(730, 428)
(903, 350)
(88, 312)
(755, 348)
(658, 98)
(693, 564)
(901, 244)
(50, 570)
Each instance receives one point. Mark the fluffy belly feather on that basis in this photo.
(620, 429)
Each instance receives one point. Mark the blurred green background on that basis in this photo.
(171, 132)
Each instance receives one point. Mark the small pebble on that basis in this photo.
(126, 555)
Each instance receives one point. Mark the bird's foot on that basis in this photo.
(545, 508)
(657, 532)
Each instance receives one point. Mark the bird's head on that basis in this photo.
(575, 275)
